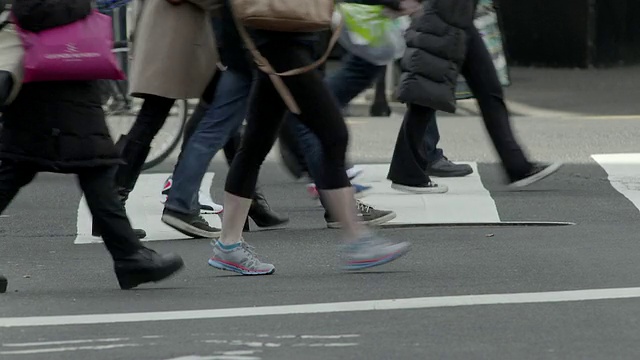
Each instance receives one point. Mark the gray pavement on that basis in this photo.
(50, 276)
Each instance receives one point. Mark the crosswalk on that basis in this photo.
(144, 209)
(469, 201)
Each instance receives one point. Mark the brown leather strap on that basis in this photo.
(264, 65)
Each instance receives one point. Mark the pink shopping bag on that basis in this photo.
(79, 51)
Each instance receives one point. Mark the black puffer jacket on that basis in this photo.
(56, 126)
(436, 48)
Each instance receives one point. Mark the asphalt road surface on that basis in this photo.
(569, 290)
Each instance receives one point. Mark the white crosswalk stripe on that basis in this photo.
(468, 201)
(144, 209)
(624, 173)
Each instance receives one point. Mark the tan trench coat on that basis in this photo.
(174, 52)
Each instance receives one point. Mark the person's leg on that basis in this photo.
(320, 113)
(13, 177)
(200, 110)
(480, 73)
(355, 76)
(222, 121)
(409, 161)
(134, 264)
(380, 106)
(437, 164)
(135, 147)
(137, 143)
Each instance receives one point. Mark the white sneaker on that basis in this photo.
(207, 205)
(354, 172)
(165, 190)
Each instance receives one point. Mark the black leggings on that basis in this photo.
(265, 115)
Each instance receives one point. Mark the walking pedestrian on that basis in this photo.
(174, 58)
(434, 58)
(60, 127)
(215, 125)
(286, 51)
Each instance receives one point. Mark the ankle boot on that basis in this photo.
(145, 266)
(262, 214)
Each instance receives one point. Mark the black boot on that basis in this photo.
(262, 214)
(128, 174)
(145, 266)
(3, 284)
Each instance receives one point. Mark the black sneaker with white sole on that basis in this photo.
(537, 173)
(194, 226)
(367, 215)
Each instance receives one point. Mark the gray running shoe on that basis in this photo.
(194, 226)
(240, 258)
(367, 215)
(372, 251)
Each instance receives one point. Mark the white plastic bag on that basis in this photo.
(369, 34)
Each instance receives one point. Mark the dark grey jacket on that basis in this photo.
(436, 48)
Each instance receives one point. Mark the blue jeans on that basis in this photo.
(223, 119)
(354, 77)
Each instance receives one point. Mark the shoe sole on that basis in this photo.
(375, 222)
(140, 236)
(135, 280)
(226, 267)
(274, 226)
(440, 189)
(548, 171)
(450, 174)
(385, 260)
(210, 212)
(189, 230)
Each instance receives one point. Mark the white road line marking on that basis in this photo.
(467, 201)
(64, 349)
(624, 173)
(67, 342)
(326, 308)
(329, 336)
(144, 210)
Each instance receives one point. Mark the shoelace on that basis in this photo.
(362, 207)
(249, 248)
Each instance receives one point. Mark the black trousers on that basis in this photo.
(97, 184)
(137, 143)
(409, 162)
(320, 113)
